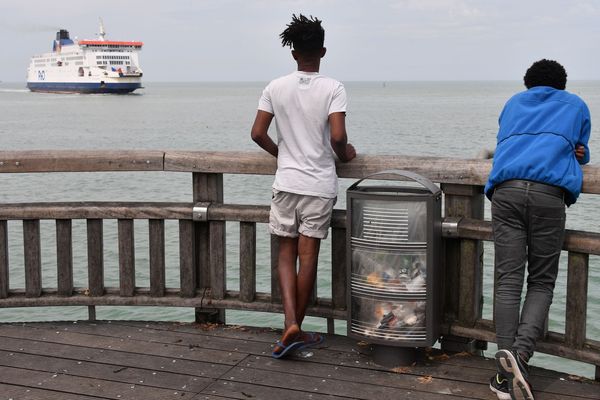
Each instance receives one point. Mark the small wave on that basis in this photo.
(14, 90)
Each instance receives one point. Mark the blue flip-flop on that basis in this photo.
(286, 350)
(314, 339)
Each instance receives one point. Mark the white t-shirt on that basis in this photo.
(301, 103)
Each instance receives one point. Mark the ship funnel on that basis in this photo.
(62, 34)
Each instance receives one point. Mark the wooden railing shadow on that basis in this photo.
(202, 242)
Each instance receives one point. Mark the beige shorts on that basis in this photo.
(294, 214)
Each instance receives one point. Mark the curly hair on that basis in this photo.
(304, 34)
(546, 73)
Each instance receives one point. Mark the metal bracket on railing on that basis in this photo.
(200, 211)
(450, 226)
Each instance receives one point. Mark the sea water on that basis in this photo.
(449, 119)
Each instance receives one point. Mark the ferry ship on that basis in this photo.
(86, 66)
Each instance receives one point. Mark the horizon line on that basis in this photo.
(351, 80)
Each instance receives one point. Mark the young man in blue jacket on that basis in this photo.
(542, 140)
(309, 110)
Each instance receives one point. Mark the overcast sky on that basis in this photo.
(375, 40)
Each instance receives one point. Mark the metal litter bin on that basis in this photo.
(393, 247)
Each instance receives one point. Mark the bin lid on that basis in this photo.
(426, 183)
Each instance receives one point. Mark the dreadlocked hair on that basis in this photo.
(304, 34)
(546, 73)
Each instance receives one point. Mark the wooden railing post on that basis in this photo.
(275, 291)
(209, 246)
(95, 245)
(156, 229)
(64, 256)
(247, 261)
(4, 284)
(463, 282)
(338, 272)
(33, 258)
(577, 296)
(126, 257)
(187, 266)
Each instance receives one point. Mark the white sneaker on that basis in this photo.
(516, 370)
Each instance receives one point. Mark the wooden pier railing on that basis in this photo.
(202, 242)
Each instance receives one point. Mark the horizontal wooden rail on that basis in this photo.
(438, 169)
(96, 210)
(81, 160)
(262, 301)
(577, 241)
(554, 343)
(468, 228)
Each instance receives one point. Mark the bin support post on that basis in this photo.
(463, 282)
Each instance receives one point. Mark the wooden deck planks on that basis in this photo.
(71, 384)
(104, 371)
(123, 344)
(117, 358)
(15, 392)
(341, 351)
(161, 360)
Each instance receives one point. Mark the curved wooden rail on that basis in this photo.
(202, 244)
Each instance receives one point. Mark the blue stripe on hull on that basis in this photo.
(91, 87)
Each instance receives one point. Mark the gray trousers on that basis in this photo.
(529, 224)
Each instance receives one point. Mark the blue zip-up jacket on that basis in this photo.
(539, 129)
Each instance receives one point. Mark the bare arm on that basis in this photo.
(260, 133)
(580, 152)
(339, 139)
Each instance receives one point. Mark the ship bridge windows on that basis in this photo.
(112, 47)
(111, 57)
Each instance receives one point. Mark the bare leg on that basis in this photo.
(308, 253)
(296, 288)
(288, 253)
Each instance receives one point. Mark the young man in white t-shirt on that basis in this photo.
(310, 111)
